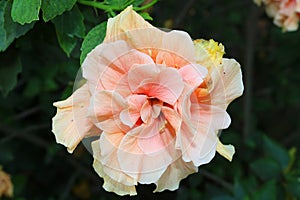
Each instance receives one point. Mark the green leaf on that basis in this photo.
(10, 67)
(94, 37)
(69, 26)
(137, 2)
(266, 168)
(10, 30)
(52, 8)
(276, 151)
(70, 23)
(25, 11)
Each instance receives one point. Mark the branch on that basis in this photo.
(251, 34)
(39, 142)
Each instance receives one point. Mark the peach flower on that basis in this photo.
(286, 13)
(155, 101)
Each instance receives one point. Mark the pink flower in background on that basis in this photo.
(154, 100)
(285, 13)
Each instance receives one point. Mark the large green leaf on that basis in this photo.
(94, 37)
(25, 11)
(10, 67)
(71, 23)
(52, 8)
(10, 30)
(69, 26)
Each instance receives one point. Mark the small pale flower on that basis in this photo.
(155, 102)
(285, 13)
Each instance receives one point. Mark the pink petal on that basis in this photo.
(193, 74)
(104, 110)
(165, 85)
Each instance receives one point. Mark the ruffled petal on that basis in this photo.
(145, 167)
(71, 124)
(165, 84)
(107, 65)
(176, 54)
(105, 109)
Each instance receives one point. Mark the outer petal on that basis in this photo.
(111, 185)
(177, 171)
(132, 28)
(226, 151)
(105, 152)
(226, 83)
(71, 124)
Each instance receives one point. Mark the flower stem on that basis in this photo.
(99, 5)
(145, 6)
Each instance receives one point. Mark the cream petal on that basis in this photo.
(226, 83)
(226, 151)
(126, 21)
(111, 185)
(104, 111)
(71, 124)
(171, 178)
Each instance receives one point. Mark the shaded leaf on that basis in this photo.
(267, 191)
(266, 168)
(276, 151)
(94, 37)
(10, 67)
(52, 8)
(25, 11)
(10, 30)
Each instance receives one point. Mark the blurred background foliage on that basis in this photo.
(43, 42)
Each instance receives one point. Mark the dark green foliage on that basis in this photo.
(43, 43)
